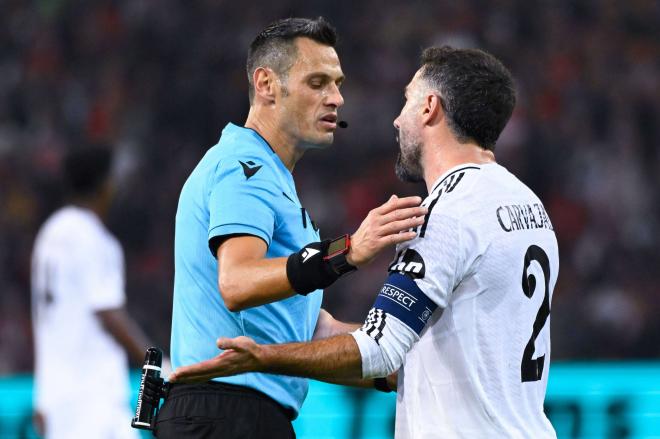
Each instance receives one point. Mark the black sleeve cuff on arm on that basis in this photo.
(216, 241)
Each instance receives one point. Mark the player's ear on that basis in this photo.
(264, 80)
(432, 111)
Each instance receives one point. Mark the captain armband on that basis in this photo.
(398, 316)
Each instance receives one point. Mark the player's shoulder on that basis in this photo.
(78, 228)
(68, 219)
(451, 189)
(465, 190)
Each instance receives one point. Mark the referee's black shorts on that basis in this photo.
(219, 410)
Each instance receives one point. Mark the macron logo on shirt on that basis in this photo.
(308, 253)
(249, 168)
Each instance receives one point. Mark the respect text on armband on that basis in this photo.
(400, 297)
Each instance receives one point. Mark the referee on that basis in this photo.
(248, 259)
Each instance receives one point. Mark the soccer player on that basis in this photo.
(82, 331)
(466, 306)
(248, 257)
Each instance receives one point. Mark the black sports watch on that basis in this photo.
(336, 255)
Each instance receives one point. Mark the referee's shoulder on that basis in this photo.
(243, 166)
(244, 148)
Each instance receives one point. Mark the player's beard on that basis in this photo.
(408, 165)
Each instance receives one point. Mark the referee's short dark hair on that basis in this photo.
(476, 92)
(87, 169)
(274, 46)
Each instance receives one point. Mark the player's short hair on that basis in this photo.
(274, 47)
(86, 170)
(476, 92)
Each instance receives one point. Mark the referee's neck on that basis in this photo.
(279, 141)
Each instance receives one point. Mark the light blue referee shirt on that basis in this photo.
(239, 187)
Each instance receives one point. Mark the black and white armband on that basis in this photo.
(397, 318)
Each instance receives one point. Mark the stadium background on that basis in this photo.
(158, 79)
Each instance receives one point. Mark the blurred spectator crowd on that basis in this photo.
(158, 80)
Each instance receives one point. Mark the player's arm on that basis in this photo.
(101, 278)
(387, 384)
(246, 278)
(377, 349)
(336, 359)
(125, 331)
(328, 326)
(328, 359)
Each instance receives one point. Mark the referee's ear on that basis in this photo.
(264, 80)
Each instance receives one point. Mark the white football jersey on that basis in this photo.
(487, 255)
(77, 270)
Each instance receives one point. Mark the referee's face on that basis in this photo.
(310, 96)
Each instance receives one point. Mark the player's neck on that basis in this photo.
(99, 209)
(98, 202)
(438, 160)
(267, 127)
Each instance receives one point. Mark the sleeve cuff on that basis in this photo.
(237, 229)
(370, 353)
(108, 300)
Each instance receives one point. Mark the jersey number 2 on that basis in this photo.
(532, 369)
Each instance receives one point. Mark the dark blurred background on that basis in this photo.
(159, 79)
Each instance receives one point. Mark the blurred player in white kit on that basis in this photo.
(82, 332)
(465, 310)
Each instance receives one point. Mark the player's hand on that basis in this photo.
(39, 422)
(386, 225)
(241, 355)
(392, 381)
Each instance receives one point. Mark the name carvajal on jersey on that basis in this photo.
(514, 217)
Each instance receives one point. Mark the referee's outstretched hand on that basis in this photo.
(241, 354)
(386, 225)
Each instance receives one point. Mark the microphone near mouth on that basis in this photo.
(342, 124)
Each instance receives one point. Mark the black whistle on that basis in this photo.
(145, 411)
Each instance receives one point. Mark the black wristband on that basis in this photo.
(307, 271)
(381, 384)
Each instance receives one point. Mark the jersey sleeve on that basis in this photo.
(242, 200)
(101, 274)
(435, 259)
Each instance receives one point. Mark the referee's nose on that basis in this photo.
(334, 98)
